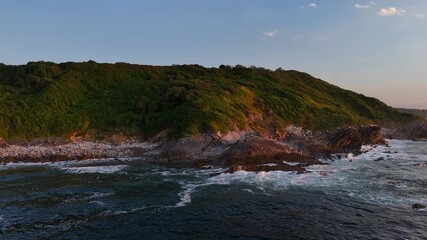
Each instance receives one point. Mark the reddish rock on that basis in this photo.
(257, 150)
(261, 154)
(239, 151)
(352, 138)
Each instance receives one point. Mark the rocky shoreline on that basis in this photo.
(81, 150)
(245, 150)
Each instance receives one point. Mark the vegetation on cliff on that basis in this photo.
(419, 112)
(43, 99)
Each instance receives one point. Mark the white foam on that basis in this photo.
(186, 195)
(73, 166)
(350, 156)
(269, 164)
(291, 163)
(96, 195)
(366, 148)
(121, 212)
(95, 169)
(337, 177)
(99, 203)
(165, 173)
(272, 178)
(12, 165)
(63, 165)
(189, 188)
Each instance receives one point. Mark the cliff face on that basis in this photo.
(92, 100)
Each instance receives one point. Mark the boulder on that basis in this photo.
(352, 138)
(418, 206)
(261, 154)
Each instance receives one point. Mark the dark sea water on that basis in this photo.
(138, 199)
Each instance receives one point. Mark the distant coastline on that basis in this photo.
(420, 112)
(240, 117)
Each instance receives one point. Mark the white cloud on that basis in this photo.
(419, 15)
(362, 6)
(391, 11)
(310, 5)
(271, 34)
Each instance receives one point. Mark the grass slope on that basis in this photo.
(43, 99)
(419, 112)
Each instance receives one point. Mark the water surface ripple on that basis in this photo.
(105, 199)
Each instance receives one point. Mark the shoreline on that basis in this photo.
(81, 150)
(244, 150)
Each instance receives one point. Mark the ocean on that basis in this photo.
(369, 196)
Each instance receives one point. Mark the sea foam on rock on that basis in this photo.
(255, 153)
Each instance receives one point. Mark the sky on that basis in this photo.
(377, 48)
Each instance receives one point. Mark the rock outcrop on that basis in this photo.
(237, 150)
(418, 206)
(300, 147)
(414, 131)
(182, 149)
(261, 154)
(352, 138)
(71, 151)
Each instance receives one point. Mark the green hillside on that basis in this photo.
(419, 112)
(44, 99)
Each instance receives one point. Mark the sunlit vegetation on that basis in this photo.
(44, 99)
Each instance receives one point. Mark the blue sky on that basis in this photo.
(377, 48)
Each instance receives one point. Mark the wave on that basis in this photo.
(95, 169)
(103, 166)
(356, 176)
